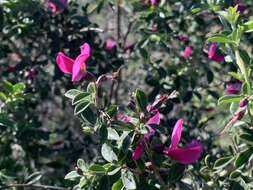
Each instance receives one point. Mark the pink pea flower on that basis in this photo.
(241, 7)
(124, 118)
(233, 87)
(153, 2)
(56, 6)
(153, 120)
(30, 73)
(187, 52)
(185, 155)
(77, 67)
(129, 46)
(183, 38)
(213, 54)
(110, 43)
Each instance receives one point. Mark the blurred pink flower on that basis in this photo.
(56, 6)
(153, 2)
(233, 87)
(129, 46)
(30, 73)
(182, 38)
(124, 118)
(241, 7)
(187, 52)
(110, 43)
(186, 155)
(213, 54)
(77, 67)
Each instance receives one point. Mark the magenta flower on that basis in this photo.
(153, 2)
(129, 46)
(182, 38)
(56, 6)
(186, 155)
(233, 87)
(124, 118)
(187, 52)
(153, 120)
(77, 67)
(241, 7)
(110, 43)
(213, 54)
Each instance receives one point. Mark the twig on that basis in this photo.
(34, 186)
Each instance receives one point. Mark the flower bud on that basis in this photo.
(79, 171)
(243, 102)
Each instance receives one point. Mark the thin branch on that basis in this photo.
(34, 186)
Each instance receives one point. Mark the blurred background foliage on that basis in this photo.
(38, 132)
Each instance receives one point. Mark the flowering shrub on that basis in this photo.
(160, 91)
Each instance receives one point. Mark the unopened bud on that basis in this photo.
(79, 171)
(243, 102)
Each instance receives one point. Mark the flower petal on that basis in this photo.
(187, 52)
(212, 50)
(124, 118)
(155, 119)
(218, 58)
(138, 152)
(64, 63)
(176, 134)
(79, 68)
(186, 155)
(85, 50)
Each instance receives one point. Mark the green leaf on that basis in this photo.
(72, 175)
(19, 88)
(243, 157)
(247, 138)
(199, 8)
(82, 97)
(103, 133)
(245, 56)
(125, 141)
(113, 170)
(248, 26)
(81, 164)
(3, 97)
(81, 107)
(123, 126)
(223, 162)
(71, 94)
(91, 88)
(128, 179)
(117, 185)
(235, 174)
(112, 134)
(111, 111)
(220, 38)
(108, 153)
(98, 169)
(89, 115)
(230, 99)
(83, 181)
(141, 100)
(33, 178)
(237, 76)
(7, 86)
